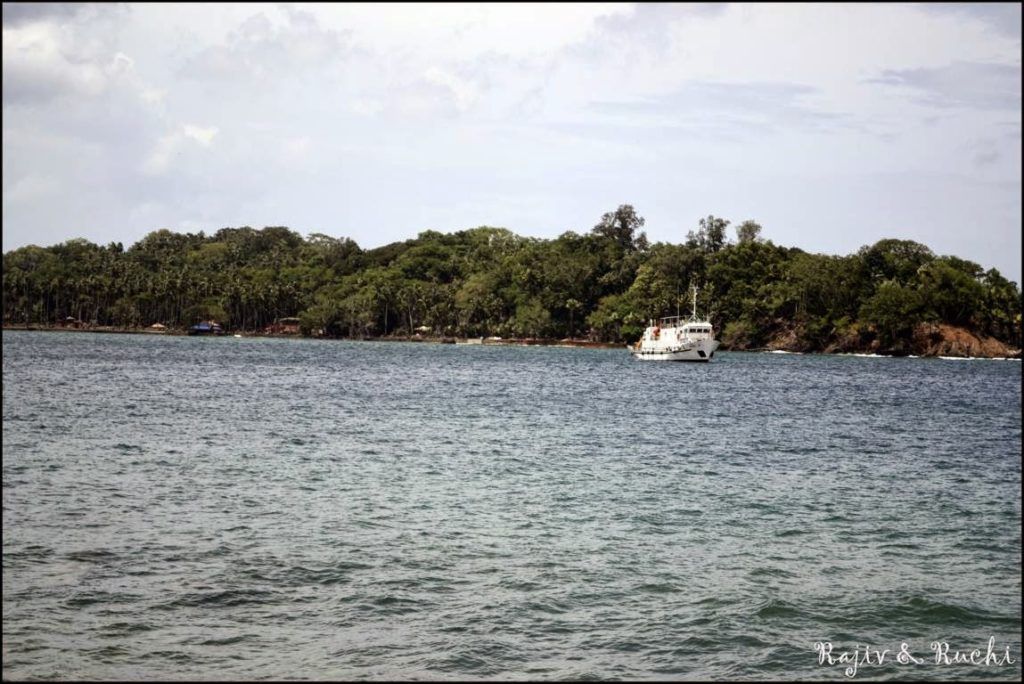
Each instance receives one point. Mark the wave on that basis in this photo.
(923, 614)
(776, 608)
(222, 599)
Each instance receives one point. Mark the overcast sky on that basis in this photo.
(831, 125)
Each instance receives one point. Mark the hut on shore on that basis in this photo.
(284, 326)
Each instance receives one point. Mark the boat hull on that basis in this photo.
(699, 353)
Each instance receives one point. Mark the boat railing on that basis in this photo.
(676, 321)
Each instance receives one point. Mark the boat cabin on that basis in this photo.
(685, 327)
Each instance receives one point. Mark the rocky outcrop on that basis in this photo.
(788, 339)
(932, 339)
(928, 339)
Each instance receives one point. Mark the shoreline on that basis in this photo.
(490, 341)
(466, 341)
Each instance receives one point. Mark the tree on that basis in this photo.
(1002, 308)
(896, 260)
(950, 290)
(710, 236)
(490, 281)
(572, 306)
(654, 296)
(894, 310)
(531, 319)
(748, 231)
(619, 227)
(615, 318)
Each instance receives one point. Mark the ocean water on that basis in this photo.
(221, 508)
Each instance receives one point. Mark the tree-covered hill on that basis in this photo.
(894, 296)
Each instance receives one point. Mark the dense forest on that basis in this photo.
(602, 285)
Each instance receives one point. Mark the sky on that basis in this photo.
(831, 125)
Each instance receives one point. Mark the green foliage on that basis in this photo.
(896, 260)
(710, 236)
(740, 334)
(894, 310)
(748, 231)
(951, 290)
(619, 227)
(616, 319)
(531, 319)
(604, 284)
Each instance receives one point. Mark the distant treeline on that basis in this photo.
(604, 284)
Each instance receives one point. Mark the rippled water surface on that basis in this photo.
(262, 508)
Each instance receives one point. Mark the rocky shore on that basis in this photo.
(929, 339)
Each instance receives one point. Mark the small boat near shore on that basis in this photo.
(677, 339)
(206, 328)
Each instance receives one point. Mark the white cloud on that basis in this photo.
(456, 31)
(30, 188)
(160, 158)
(204, 136)
(173, 144)
(37, 66)
(297, 150)
(366, 106)
(973, 85)
(261, 49)
(463, 91)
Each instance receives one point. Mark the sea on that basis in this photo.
(256, 508)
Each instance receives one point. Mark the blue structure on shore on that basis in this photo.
(206, 328)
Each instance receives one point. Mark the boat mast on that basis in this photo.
(694, 302)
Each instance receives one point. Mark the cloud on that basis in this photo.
(727, 109)
(986, 157)
(16, 14)
(204, 136)
(1003, 18)
(296, 149)
(651, 23)
(31, 187)
(451, 32)
(172, 144)
(366, 106)
(463, 91)
(259, 50)
(435, 92)
(60, 52)
(972, 85)
(38, 67)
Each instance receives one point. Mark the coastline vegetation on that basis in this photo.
(895, 296)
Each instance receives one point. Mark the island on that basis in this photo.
(490, 285)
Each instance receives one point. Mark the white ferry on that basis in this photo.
(677, 339)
